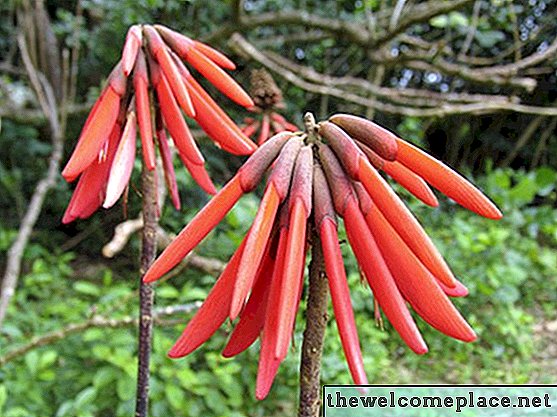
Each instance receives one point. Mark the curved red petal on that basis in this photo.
(404, 222)
(340, 295)
(411, 181)
(416, 283)
(217, 57)
(446, 180)
(212, 313)
(176, 124)
(94, 134)
(255, 248)
(268, 364)
(252, 318)
(168, 166)
(91, 188)
(216, 123)
(196, 229)
(131, 47)
(220, 79)
(143, 109)
(265, 129)
(380, 279)
(122, 165)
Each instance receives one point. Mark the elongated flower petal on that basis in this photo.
(97, 127)
(251, 128)
(275, 193)
(256, 244)
(378, 139)
(446, 180)
(268, 363)
(220, 79)
(131, 47)
(380, 278)
(217, 57)
(212, 314)
(408, 179)
(216, 123)
(143, 109)
(326, 225)
(252, 318)
(404, 222)
(300, 204)
(459, 289)
(169, 174)
(162, 55)
(196, 229)
(176, 124)
(199, 175)
(90, 191)
(265, 129)
(122, 165)
(416, 282)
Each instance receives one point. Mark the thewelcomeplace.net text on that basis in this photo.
(456, 402)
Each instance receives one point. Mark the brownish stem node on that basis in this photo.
(314, 333)
(148, 253)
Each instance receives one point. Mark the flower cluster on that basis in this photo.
(330, 170)
(152, 60)
(267, 98)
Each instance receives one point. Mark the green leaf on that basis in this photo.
(3, 397)
(87, 288)
(32, 361)
(47, 359)
(175, 396)
(85, 397)
(125, 388)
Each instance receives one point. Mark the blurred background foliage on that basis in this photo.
(509, 266)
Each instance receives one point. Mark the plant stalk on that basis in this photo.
(148, 253)
(314, 333)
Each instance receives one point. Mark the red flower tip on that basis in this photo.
(409, 180)
(196, 230)
(97, 127)
(343, 145)
(446, 180)
(214, 55)
(161, 53)
(220, 79)
(133, 42)
(122, 165)
(377, 138)
(143, 108)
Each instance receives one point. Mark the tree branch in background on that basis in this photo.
(48, 104)
(96, 322)
(401, 106)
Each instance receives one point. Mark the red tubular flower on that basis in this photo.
(105, 152)
(327, 172)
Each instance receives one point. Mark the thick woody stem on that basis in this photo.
(148, 253)
(316, 322)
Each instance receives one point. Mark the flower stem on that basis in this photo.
(314, 333)
(148, 253)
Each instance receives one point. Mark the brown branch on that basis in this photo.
(524, 138)
(347, 30)
(314, 333)
(47, 101)
(242, 46)
(146, 295)
(94, 322)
